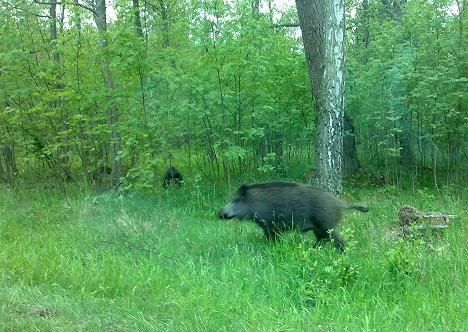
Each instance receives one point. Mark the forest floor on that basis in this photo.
(71, 260)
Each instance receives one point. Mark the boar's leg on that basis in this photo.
(323, 235)
(338, 242)
(271, 233)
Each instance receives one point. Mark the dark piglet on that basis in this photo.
(280, 206)
(101, 174)
(172, 176)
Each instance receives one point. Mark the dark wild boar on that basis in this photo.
(172, 176)
(280, 206)
(101, 174)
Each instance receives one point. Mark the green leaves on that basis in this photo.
(211, 81)
(406, 83)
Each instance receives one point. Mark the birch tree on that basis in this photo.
(322, 26)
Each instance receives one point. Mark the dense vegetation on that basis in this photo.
(221, 88)
(77, 262)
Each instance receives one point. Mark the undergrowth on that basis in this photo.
(72, 260)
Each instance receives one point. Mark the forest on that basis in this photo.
(221, 89)
(99, 97)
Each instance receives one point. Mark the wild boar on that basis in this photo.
(172, 176)
(280, 206)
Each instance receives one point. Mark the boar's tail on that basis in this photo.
(361, 208)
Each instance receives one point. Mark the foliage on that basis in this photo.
(404, 257)
(404, 75)
(212, 86)
(222, 90)
(322, 275)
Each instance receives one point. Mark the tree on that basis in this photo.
(137, 23)
(227, 84)
(322, 26)
(99, 13)
(351, 162)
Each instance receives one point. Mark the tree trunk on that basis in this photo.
(255, 7)
(10, 163)
(165, 23)
(350, 160)
(404, 139)
(407, 152)
(322, 26)
(64, 168)
(99, 14)
(2, 172)
(365, 10)
(137, 22)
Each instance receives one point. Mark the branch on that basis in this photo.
(156, 9)
(48, 3)
(286, 25)
(6, 4)
(91, 9)
(76, 3)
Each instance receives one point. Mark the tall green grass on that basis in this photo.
(74, 261)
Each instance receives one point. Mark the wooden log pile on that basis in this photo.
(411, 220)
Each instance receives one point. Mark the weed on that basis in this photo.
(324, 272)
(161, 262)
(404, 257)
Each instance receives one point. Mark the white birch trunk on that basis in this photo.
(322, 25)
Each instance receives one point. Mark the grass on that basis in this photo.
(74, 261)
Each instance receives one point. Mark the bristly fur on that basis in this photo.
(279, 206)
(274, 184)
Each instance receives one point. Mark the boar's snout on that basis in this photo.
(226, 213)
(223, 215)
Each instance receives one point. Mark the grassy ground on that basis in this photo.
(74, 261)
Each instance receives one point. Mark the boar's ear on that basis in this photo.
(242, 191)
